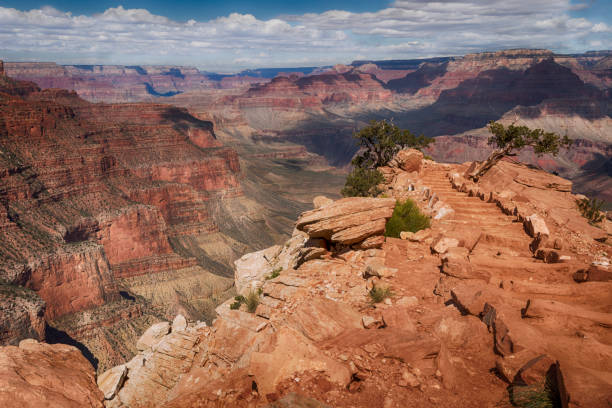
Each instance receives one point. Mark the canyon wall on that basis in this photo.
(110, 217)
(445, 97)
(134, 190)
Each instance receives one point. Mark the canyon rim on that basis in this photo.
(173, 229)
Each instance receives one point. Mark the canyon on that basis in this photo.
(134, 194)
(116, 216)
(503, 299)
(450, 98)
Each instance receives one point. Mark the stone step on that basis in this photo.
(456, 204)
(484, 225)
(515, 264)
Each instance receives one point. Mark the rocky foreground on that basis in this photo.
(510, 287)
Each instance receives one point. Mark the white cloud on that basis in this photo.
(406, 29)
(601, 28)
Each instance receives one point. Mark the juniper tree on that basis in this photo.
(378, 143)
(510, 140)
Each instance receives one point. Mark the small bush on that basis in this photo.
(380, 293)
(406, 217)
(591, 209)
(251, 301)
(362, 183)
(534, 396)
(238, 300)
(275, 273)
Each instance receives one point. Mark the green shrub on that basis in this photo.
(406, 217)
(362, 183)
(251, 301)
(591, 209)
(275, 273)
(238, 300)
(535, 396)
(380, 293)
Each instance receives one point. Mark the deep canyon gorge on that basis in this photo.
(129, 192)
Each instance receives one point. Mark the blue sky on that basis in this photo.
(231, 35)
(183, 10)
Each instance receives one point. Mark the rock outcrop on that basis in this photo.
(42, 375)
(470, 322)
(349, 221)
(22, 314)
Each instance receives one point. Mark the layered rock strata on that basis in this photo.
(98, 198)
(474, 317)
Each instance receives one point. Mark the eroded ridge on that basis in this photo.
(509, 288)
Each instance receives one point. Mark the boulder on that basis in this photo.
(592, 274)
(408, 235)
(548, 255)
(535, 371)
(179, 323)
(471, 296)
(378, 269)
(153, 335)
(525, 367)
(442, 244)
(370, 322)
(420, 236)
(252, 268)
(310, 253)
(110, 381)
(535, 225)
(409, 160)
(348, 221)
(455, 262)
(373, 242)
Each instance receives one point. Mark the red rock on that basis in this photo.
(43, 375)
(93, 194)
(535, 225)
(290, 354)
(548, 255)
(349, 220)
(409, 160)
(592, 274)
(455, 262)
(442, 244)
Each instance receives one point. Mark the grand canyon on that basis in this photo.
(143, 207)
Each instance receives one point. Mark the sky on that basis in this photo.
(231, 35)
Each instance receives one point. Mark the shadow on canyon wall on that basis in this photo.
(471, 105)
(55, 336)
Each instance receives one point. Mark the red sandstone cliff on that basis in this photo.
(91, 197)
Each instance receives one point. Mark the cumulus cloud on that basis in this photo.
(406, 29)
